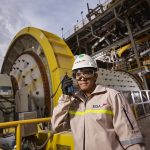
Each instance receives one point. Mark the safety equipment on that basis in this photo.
(103, 120)
(84, 61)
(67, 85)
(86, 73)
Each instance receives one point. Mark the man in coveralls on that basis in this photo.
(100, 118)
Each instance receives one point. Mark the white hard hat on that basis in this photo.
(84, 61)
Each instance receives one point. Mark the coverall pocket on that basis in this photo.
(105, 116)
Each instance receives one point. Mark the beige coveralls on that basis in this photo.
(104, 121)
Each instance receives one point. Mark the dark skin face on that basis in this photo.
(87, 85)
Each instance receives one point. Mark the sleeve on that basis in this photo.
(60, 118)
(125, 124)
(136, 147)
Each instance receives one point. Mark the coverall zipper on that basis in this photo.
(84, 126)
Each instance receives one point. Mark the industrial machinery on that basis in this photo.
(36, 62)
(32, 71)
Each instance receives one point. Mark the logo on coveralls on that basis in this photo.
(100, 105)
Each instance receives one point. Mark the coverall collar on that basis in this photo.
(98, 89)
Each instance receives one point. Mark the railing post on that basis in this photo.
(18, 137)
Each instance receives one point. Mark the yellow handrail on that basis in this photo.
(19, 124)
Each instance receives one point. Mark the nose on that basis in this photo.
(82, 78)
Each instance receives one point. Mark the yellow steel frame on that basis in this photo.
(18, 124)
(58, 55)
(64, 138)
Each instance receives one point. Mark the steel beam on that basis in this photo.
(133, 42)
(96, 19)
(121, 42)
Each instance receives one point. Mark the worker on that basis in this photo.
(100, 118)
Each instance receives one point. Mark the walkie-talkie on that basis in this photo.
(69, 89)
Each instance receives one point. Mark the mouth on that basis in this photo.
(83, 84)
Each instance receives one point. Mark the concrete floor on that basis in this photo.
(144, 125)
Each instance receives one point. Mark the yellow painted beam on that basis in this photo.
(18, 137)
(19, 124)
(124, 48)
(15, 123)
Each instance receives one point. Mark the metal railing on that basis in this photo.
(139, 101)
(85, 21)
(18, 125)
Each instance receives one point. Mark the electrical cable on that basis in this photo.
(53, 95)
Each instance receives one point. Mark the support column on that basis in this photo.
(133, 43)
(145, 83)
(18, 137)
(1, 120)
(86, 49)
(78, 43)
(135, 51)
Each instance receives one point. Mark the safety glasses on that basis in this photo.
(84, 73)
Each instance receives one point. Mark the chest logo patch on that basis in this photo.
(100, 105)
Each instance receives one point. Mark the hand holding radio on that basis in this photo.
(67, 85)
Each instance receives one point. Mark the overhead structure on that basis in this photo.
(38, 60)
(114, 33)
